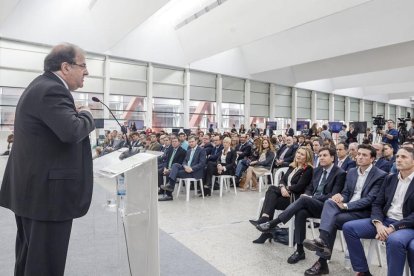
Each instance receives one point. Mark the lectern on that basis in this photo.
(138, 208)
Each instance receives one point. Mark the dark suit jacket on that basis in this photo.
(369, 191)
(347, 164)
(215, 153)
(268, 162)
(49, 172)
(208, 148)
(198, 163)
(290, 132)
(270, 132)
(230, 161)
(335, 183)
(385, 196)
(384, 164)
(289, 156)
(178, 157)
(246, 149)
(300, 180)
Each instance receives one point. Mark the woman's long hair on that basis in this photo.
(308, 161)
(271, 147)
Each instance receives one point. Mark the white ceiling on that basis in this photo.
(362, 48)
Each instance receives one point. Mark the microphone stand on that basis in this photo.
(123, 128)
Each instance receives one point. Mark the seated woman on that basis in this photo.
(292, 185)
(261, 166)
(225, 165)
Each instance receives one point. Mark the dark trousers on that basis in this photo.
(333, 218)
(41, 247)
(274, 201)
(161, 177)
(177, 171)
(303, 208)
(212, 170)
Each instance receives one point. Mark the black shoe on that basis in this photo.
(296, 257)
(265, 227)
(318, 245)
(167, 187)
(259, 221)
(317, 269)
(161, 191)
(165, 198)
(263, 238)
(207, 192)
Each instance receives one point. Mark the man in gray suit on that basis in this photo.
(361, 188)
(48, 178)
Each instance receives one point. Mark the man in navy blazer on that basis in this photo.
(192, 167)
(361, 188)
(392, 219)
(343, 161)
(327, 180)
(244, 148)
(286, 153)
(48, 178)
(175, 155)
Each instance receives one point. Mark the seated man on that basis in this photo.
(327, 180)
(154, 145)
(192, 167)
(387, 159)
(216, 150)
(174, 155)
(286, 153)
(344, 161)
(392, 219)
(361, 188)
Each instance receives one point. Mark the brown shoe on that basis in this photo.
(317, 269)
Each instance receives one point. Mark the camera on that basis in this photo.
(379, 122)
(402, 128)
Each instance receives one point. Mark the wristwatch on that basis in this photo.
(345, 206)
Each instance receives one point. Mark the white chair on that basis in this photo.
(225, 181)
(188, 185)
(263, 178)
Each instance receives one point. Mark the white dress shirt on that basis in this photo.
(360, 183)
(395, 211)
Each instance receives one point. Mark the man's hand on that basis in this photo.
(340, 205)
(337, 198)
(188, 169)
(382, 232)
(166, 171)
(253, 163)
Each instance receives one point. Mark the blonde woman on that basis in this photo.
(261, 166)
(225, 165)
(293, 184)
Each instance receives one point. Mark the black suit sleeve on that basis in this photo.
(338, 186)
(303, 182)
(59, 114)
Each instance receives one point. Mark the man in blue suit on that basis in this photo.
(344, 161)
(361, 188)
(392, 219)
(192, 167)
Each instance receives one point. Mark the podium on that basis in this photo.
(138, 208)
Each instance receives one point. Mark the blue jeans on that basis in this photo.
(410, 256)
(241, 167)
(397, 244)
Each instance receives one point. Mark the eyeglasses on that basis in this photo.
(83, 65)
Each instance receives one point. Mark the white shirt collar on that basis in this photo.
(64, 82)
(365, 172)
(408, 179)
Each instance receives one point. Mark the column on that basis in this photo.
(219, 99)
(272, 101)
(187, 98)
(313, 107)
(347, 110)
(247, 104)
(294, 108)
(107, 84)
(331, 111)
(150, 92)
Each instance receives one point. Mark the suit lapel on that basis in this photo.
(394, 184)
(369, 177)
(410, 190)
(318, 179)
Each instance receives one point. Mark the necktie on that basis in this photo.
(319, 190)
(172, 158)
(191, 157)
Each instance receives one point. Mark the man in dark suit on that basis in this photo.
(268, 131)
(244, 148)
(381, 162)
(48, 178)
(289, 131)
(327, 180)
(344, 161)
(286, 153)
(392, 219)
(361, 188)
(207, 145)
(192, 167)
(174, 155)
(216, 150)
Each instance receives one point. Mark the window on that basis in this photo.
(232, 114)
(202, 114)
(167, 113)
(85, 99)
(9, 96)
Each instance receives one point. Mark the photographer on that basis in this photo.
(410, 137)
(390, 136)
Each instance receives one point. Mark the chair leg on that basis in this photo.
(291, 231)
(187, 187)
(260, 184)
(179, 187)
(312, 227)
(234, 184)
(221, 186)
(342, 239)
(201, 187)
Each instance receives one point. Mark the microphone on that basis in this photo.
(123, 128)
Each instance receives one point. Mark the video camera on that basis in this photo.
(379, 122)
(403, 121)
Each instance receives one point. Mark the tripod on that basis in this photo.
(378, 136)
